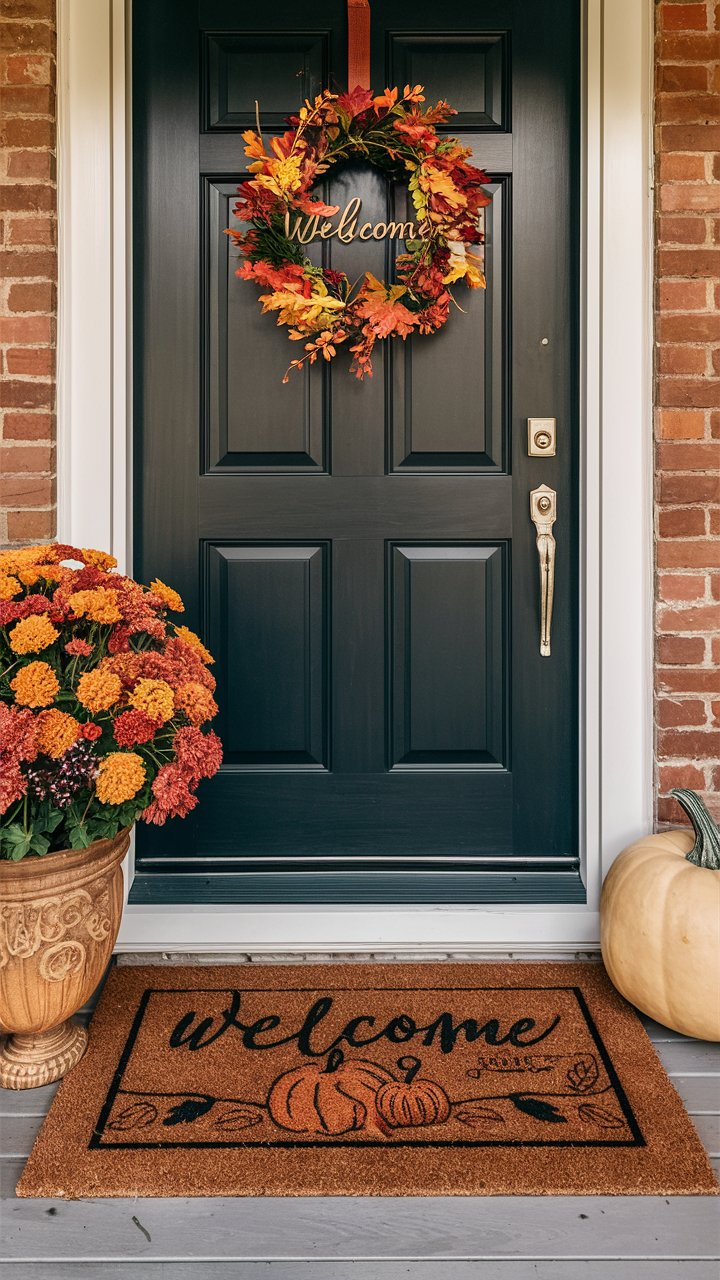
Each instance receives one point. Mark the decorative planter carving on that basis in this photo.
(59, 919)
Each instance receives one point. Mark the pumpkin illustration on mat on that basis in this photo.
(660, 924)
(331, 1099)
(412, 1102)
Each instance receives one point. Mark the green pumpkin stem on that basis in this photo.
(706, 850)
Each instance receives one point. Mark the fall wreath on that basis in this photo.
(322, 307)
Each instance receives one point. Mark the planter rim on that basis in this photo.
(25, 875)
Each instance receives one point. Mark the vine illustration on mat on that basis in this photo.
(321, 307)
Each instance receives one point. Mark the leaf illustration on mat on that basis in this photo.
(594, 1114)
(189, 1110)
(137, 1116)
(475, 1115)
(583, 1073)
(241, 1117)
(538, 1109)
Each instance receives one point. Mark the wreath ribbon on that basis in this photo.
(358, 16)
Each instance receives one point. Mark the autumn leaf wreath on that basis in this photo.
(320, 306)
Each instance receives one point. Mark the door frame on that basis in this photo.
(95, 497)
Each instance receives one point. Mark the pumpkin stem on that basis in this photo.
(706, 850)
(410, 1066)
(335, 1060)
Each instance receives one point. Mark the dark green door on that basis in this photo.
(360, 556)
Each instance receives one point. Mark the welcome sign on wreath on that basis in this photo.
(322, 307)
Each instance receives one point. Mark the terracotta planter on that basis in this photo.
(59, 919)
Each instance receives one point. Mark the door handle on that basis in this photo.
(543, 513)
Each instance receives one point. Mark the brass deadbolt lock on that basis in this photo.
(541, 437)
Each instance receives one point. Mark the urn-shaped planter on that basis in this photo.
(59, 919)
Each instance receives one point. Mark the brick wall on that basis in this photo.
(687, 417)
(28, 270)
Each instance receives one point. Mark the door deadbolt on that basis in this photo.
(541, 437)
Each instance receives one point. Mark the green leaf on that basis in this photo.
(16, 841)
(39, 843)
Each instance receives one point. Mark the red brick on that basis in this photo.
(682, 17)
(23, 131)
(31, 164)
(716, 649)
(676, 712)
(688, 555)
(681, 231)
(715, 586)
(693, 48)
(698, 618)
(681, 76)
(689, 745)
(681, 679)
(688, 328)
(685, 775)
(680, 650)
(691, 263)
(27, 266)
(26, 491)
(26, 329)
(700, 393)
(678, 167)
(714, 513)
(26, 197)
(688, 457)
(681, 295)
(28, 68)
(28, 9)
(679, 108)
(32, 100)
(690, 488)
(682, 197)
(32, 297)
(28, 426)
(37, 362)
(689, 137)
(31, 230)
(25, 395)
(670, 812)
(715, 713)
(28, 526)
(680, 522)
(681, 586)
(31, 36)
(681, 359)
(21, 459)
(680, 424)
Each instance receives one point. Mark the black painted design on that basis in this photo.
(136, 1118)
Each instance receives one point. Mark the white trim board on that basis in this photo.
(94, 430)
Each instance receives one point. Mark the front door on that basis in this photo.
(359, 556)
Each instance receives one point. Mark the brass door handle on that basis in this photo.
(543, 513)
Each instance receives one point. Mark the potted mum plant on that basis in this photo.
(102, 702)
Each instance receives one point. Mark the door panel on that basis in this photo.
(359, 556)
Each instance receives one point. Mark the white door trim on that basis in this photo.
(94, 431)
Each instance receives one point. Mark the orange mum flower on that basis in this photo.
(155, 698)
(32, 634)
(196, 701)
(98, 690)
(99, 605)
(170, 597)
(9, 586)
(100, 559)
(56, 732)
(35, 685)
(184, 633)
(121, 776)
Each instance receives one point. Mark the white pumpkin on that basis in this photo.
(660, 924)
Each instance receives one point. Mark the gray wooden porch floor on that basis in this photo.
(496, 1238)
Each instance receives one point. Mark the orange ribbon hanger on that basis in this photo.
(358, 12)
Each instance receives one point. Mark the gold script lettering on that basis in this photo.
(346, 229)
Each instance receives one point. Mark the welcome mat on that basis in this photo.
(383, 1079)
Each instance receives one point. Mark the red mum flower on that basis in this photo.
(198, 754)
(133, 727)
(91, 731)
(173, 797)
(78, 648)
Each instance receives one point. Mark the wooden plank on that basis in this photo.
(708, 1127)
(699, 1093)
(511, 1270)
(688, 1057)
(17, 1134)
(26, 1102)
(337, 1229)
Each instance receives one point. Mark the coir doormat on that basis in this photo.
(386, 1079)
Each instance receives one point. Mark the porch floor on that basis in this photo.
(500, 1238)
